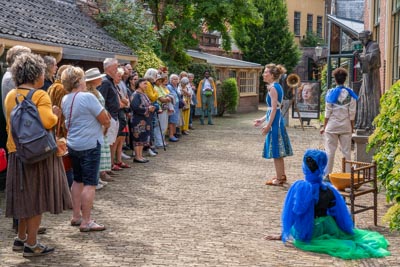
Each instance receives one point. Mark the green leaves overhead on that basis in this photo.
(189, 17)
(126, 21)
(269, 41)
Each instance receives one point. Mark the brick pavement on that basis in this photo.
(203, 202)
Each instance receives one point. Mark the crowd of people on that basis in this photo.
(105, 115)
(107, 120)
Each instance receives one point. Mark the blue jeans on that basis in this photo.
(86, 165)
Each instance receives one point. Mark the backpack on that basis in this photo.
(33, 142)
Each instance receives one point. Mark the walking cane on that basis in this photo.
(162, 134)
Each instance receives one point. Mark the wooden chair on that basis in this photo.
(363, 181)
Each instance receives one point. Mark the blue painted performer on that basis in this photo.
(316, 217)
(277, 144)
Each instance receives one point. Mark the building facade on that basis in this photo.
(307, 16)
(382, 17)
(246, 74)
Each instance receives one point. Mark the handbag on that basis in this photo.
(181, 103)
(208, 93)
(65, 157)
(3, 159)
(61, 142)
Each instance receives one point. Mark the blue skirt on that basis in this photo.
(277, 143)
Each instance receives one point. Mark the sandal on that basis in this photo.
(115, 167)
(123, 165)
(92, 226)
(76, 222)
(277, 182)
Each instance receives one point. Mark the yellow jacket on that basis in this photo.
(200, 90)
(43, 104)
(151, 93)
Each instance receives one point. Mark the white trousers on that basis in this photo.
(331, 144)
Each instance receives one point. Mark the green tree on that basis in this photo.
(125, 21)
(178, 23)
(270, 41)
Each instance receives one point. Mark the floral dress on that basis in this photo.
(141, 119)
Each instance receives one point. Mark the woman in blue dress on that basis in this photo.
(277, 144)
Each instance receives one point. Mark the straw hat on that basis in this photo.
(93, 74)
(160, 76)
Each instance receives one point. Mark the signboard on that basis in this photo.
(307, 100)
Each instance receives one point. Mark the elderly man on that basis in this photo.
(370, 91)
(109, 92)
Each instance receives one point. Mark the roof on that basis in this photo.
(222, 61)
(352, 27)
(57, 23)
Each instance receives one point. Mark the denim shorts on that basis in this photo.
(86, 165)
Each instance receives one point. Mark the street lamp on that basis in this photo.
(318, 53)
(147, 12)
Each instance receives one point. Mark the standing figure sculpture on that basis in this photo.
(370, 91)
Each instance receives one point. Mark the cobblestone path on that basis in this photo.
(203, 202)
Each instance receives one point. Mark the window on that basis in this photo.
(297, 23)
(377, 11)
(377, 16)
(396, 4)
(309, 23)
(319, 26)
(247, 82)
(218, 72)
(232, 74)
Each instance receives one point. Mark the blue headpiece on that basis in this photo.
(333, 94)
(298, 209)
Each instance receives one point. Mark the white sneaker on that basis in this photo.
(125, 156)
(99, 186)
(150, 153)
(102, 182)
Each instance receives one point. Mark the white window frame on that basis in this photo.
(247, 82)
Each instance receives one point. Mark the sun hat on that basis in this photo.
(93, 74)
(160, 76)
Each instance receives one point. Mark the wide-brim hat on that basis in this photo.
(160, 76)
(93, 74)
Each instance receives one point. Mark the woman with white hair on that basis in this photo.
(186, 94)
(173, 118)
(152, 94)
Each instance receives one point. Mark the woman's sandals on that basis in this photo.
(277, 182)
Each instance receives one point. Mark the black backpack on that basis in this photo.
(33, 142)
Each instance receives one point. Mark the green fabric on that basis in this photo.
(329, 239)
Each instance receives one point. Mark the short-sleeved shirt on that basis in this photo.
(340, 114)
(84, 129)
